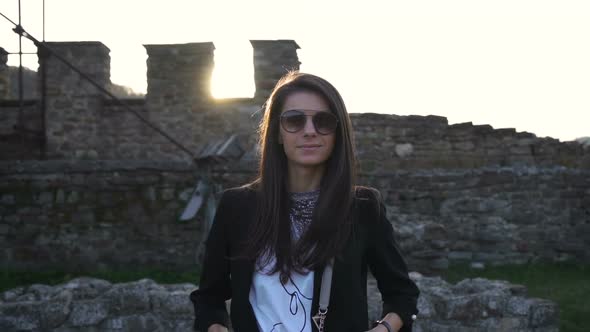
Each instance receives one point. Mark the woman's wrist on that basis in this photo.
(389, 323)
(217, 328)
(382, 326)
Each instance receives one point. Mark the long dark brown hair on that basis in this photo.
(331, 225)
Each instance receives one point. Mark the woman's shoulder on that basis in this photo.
(367, 200)
(363, 193)
(244, 193)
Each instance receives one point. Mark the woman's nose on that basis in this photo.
(309, 128)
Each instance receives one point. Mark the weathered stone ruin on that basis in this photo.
(97, 188)
(83, 304)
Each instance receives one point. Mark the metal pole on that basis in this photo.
(20, 120)
(43, 20)
(42, 53)
(43, 68)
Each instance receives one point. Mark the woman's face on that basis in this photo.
(306, 147)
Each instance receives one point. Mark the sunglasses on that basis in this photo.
(324, 122)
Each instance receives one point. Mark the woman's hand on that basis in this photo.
(217, 328)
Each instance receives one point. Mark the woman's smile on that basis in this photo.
(309, 146)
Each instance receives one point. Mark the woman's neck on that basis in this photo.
(305, 179)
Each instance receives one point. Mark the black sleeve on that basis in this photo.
(399, 292)
(214, 286)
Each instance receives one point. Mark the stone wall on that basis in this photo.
(110, 214)
(388, 142)
(474, 305)
(123, 135)
(272, 58)
(458, 192)
(85, 304)
(489, 215)
(73, 104)
(92, 215)
(179, 75)
(20, 144)
(80, 119)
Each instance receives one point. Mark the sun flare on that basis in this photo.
(233, 75)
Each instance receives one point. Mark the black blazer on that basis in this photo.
(371, 245)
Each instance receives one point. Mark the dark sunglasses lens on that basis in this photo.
(293, 121)
(325, 123)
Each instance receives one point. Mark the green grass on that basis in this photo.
(11, 279)
(566, 284)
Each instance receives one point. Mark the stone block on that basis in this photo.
(167, 194)
(519, 306)
(8, 199)
(464, 146)
(88, 313)
(107, 199)
(404, 150)
(4, 229)
(150, 194)
(439, 264)
(83, 216)
(460, 255)
(60, 197)
(85, 288)
(55, 311)
(19, 316)
(488, 257)
(12, 294)
(503, 324)
(129, 298)
(136, 211)
(171, 304)
(73, 197)
(32, 211)
(44, 198)
(138, 322)
(543, 313)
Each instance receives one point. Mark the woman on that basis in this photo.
(272, 239)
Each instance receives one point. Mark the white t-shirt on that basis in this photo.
(279, 307)
(286, 308)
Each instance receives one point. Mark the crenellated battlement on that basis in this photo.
(82, 123)
(79, 118)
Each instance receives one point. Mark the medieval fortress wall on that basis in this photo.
(111, 189)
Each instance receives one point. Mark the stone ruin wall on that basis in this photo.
(87, 304)
(456, 192)
(13, 146)
(86, 215)
(81, 123)
(95, 214)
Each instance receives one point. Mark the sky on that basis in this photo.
(521, 64)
